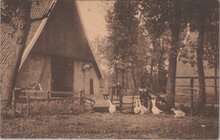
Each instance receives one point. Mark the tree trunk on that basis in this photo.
(159, 79)
(123, 78)
(171, 81)
(200, 66)
(151, 75)
(134, 79)
(13, 62)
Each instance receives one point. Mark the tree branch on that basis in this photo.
(40, 18)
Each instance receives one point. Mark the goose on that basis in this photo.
(137, 108)
(142, 108)
(178, 113)
(112, 108)
(154, 109)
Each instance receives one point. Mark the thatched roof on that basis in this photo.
(45, 36)
(7, 49)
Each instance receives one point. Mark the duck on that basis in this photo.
(112, 108)
(137, 108)
(143, 109)
(154, 109)
(178, 113)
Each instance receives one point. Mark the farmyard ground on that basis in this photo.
(105, 125)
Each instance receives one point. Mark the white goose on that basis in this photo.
(154, 109)
(112, 108)
(143, 108)
(137, 108)
(178, 113)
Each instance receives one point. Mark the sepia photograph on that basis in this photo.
(109, 69)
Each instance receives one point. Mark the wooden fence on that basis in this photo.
(190, 85)
(192, 81)
(28, 96)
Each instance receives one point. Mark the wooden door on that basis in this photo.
(62, 74)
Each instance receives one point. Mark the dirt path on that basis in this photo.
(105, 125)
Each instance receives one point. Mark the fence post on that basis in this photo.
(133, 100)
(80, 97)
(14, 105)
(16, 93)
(48, 96)
(148, 104)
(48, 99)
(28, 101)
(191, 89)
(120, 99)
(83, 105)
(216, 90)
(81, 100)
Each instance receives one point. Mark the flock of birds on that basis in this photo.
(142, 110)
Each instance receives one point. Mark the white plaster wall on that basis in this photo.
(89, 74)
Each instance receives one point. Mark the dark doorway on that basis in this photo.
(91, 87)
(62, 74)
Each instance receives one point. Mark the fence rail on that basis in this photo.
(192, 80)
(196, 77)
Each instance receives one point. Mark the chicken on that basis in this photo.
(143, 109)
(112, 108)
(154, 109)
(137, 108)
(178, 113)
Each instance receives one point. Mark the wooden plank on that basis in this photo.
(35, 91)
(179, 86)
(46, 99)
(32, 93)
(128, 103)
(196, 77)
(64, 98)
(63, 92)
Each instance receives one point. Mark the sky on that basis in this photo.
(93, 13)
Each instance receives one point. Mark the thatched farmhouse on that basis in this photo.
(58, 54)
